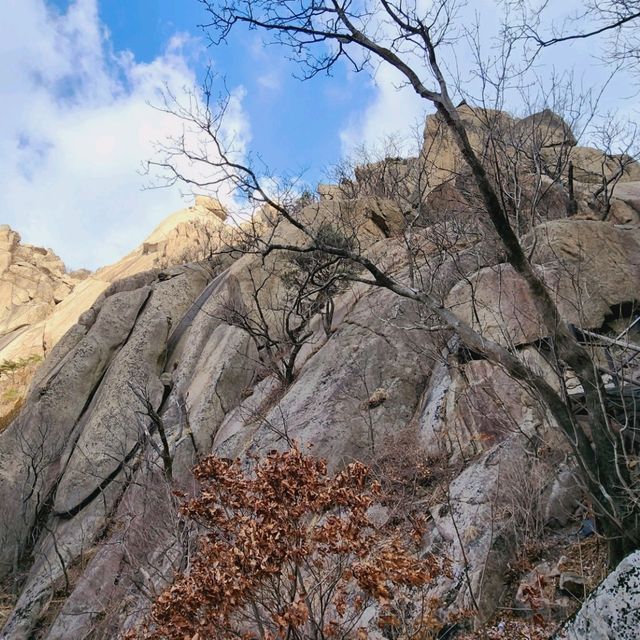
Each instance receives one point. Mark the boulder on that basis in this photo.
(440, 157)
(512, 141)
(612, 610)
(625, 204)
(591, 166)
(588, 266)
(546, 129)
(483, 406)
(563, 498)
(623, 213)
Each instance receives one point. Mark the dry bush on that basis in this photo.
(289, 551)
(7, 602)
(521, 502)
(408, 476)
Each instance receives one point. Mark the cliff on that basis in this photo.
(94, 533)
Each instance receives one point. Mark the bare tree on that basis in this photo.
(149, 416)
(615, 20)
(410, 39)
(284, 297)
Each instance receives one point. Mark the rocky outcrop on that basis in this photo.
(589, 267)
(65, 459)
(440, 158)
(46, 301)
(32, 282)
(187, 235)
(149, 355)
(538, 152)
(592, 166)
(612, 610)
(625, 204)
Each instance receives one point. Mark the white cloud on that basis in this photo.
(76, 126)
(271, 81)
(395, 112)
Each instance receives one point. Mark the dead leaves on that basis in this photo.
(289, 552)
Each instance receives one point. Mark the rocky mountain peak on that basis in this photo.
(160, 359)
(33, 281)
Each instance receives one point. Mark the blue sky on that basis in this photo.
(76, 77)
(295, 126)
(75, 80)
(280, 126)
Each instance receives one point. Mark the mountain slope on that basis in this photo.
(95, 533)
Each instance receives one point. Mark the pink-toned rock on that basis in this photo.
(588, 266)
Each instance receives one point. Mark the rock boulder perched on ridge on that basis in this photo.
(589, 266)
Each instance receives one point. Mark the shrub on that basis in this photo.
(289, 551)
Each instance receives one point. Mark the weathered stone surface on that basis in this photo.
(622, 213)
(612, 610)
(513, 141)
(592, 165)
(331, 192)
(328, 404)
(369, 218)
(53, 555)
(81, 425)
(112, 426)
(48, 301)
(563, 498)
(32, 446)
(376, 377)
(589, 266)
(625, 204)
(32, 282)
(440, 157)
(398, 179)
(468, 533)
(207, 368)
(484, 406)
(546, 129)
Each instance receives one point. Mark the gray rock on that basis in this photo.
(573, 583)
(31, 448)
(612, 610)
(563, 499)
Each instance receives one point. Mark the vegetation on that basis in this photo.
(291, 551)
(9, 367)
(285, 299)
(418, 44)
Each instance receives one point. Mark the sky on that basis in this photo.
(77, 78)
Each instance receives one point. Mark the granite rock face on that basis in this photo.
(40, 301)
(588, 266)
(146, 348)
(32, 282)
(612, 610)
